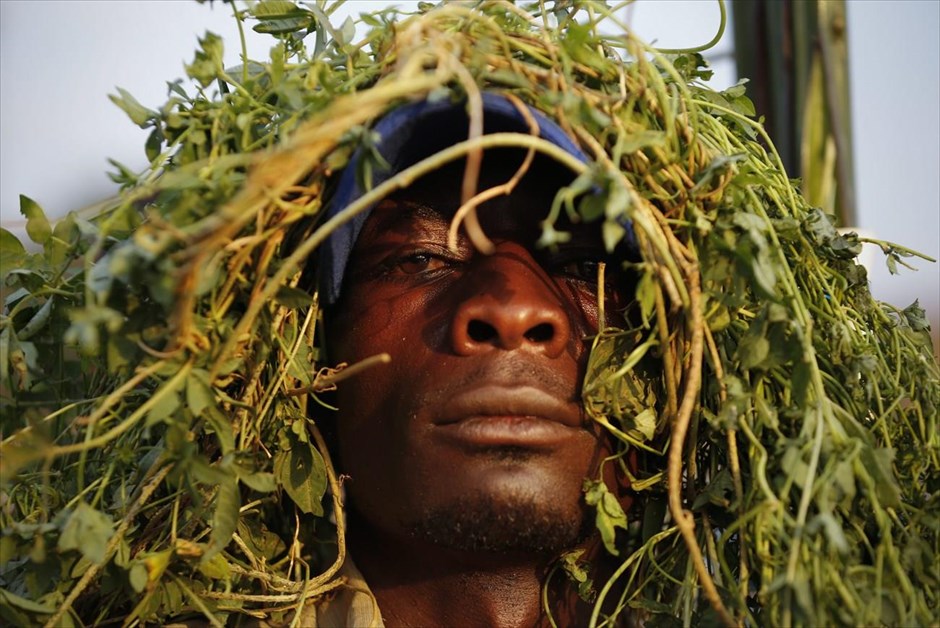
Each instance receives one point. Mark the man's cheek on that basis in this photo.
(582, 307)
(357, 329)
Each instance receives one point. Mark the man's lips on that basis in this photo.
(498, 416)
(503, 401)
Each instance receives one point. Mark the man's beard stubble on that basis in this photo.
(511, 524)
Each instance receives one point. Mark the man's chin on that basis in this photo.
(518, 524)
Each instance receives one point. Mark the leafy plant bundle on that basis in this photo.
(160, 371)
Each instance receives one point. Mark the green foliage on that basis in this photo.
(158, 463)
(609, 512)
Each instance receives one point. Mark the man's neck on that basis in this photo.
(421, 584)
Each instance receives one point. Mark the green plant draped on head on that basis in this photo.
(160, 375)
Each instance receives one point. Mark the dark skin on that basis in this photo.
(466, 455)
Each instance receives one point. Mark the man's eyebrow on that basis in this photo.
(395, 218)
(412, 209)
(404, 212)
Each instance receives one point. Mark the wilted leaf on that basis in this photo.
(916, 317)
(147, 570)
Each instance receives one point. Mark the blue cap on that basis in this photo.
(407, 135)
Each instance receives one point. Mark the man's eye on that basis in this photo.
(582, 269)
(418, 262)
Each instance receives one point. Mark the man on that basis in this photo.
(466, 455)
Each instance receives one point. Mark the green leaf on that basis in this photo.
(592, 207)
(753, 351)
(916, 317)
(800, 382)
(717, 167)
(208, 62)
(202, 471)
(877, 462)
(222, 426)
(37, 321)
(8, 550)
(138, 114)
(11, 599)
(148, 569)
(646, 296)
(5, 355)
(224, 517)
(274, 9)
(216, 568)
(280, 27)
(642, 139)
(832, 529)
(163, 408)
(818, 226)
(505, 77)
(87, 530)
(613, 233)
(259, 538)
(551, 237)
(577, 573)
(718, 492)
(154, 144)
(199, 394)
(761, 269)
(609, 513)
(65, 234)
(37, 225)
(124, 176)
(12, 251)
(261, 481)
(122, 353)
(302, 473)
(645, 422)
(137, 575)
(293, 298)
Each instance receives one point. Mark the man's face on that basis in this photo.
(474, 436)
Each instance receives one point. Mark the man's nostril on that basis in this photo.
(542, 332)
(480, 331)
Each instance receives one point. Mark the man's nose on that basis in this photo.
(513, 304)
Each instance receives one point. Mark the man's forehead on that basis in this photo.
(397, 220)
(410, 217)
(435, 198)
(533, 193)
